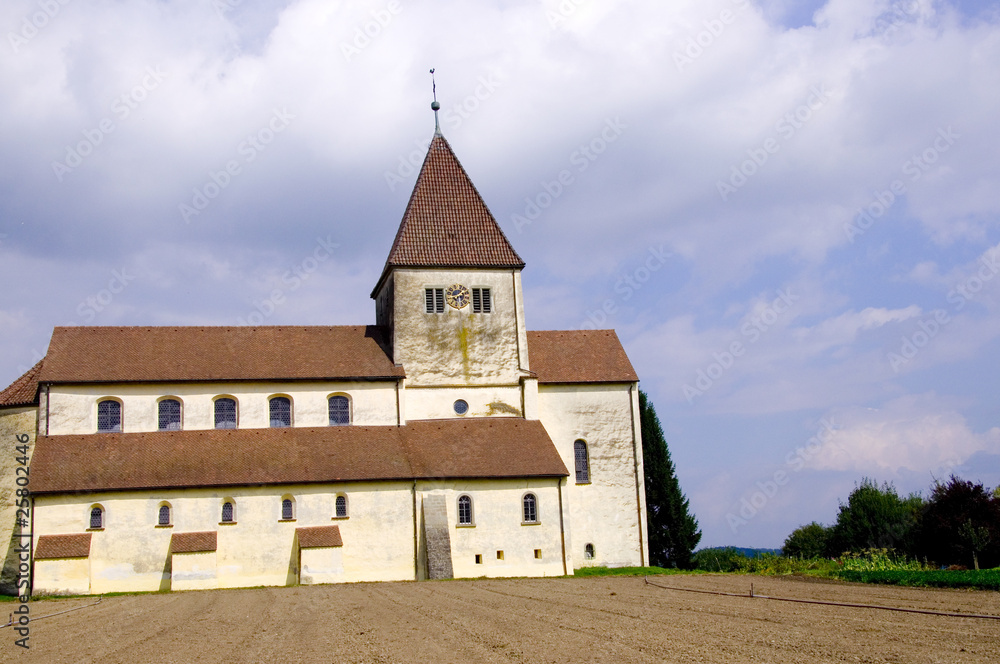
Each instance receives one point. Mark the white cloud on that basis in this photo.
(917, 433)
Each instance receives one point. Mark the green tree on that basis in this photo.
(807, 541)
(961, 522)
(875, 517)
(672, 529)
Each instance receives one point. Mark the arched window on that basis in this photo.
(109, 416)
(96, 517)
(530, 508)
(464, 511)
(341, 505)
(287, 509)
(225, 413)
(588, 552)
(340, 410)
(228, 512)
(163, 518)
(582, 463)
(281, 412)
(170, 415)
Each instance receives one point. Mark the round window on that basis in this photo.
(461, 407)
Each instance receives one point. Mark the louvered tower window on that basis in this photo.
(481, 302)
(434, 300)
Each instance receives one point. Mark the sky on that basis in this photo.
(789, 211)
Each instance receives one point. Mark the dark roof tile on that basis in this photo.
(24, 390)
(446, 222)
(579, 356)
(480, 447)
(63, 546)
(194, 542)
(131, 354)
(311, 538)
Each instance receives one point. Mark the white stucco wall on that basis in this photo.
(132, 554)
(73, 408)
(498, 526)
(606, 512)
(194, 571)
(459, 347)
(323, 564)
(431, 403)
(62, 576)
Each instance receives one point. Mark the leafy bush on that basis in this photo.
(623, 571)
(982, 580)
(878, 560)
(728, 559)
(732, 560)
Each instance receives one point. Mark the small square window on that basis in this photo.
(479, 559)
(538, 554)
(499, 555)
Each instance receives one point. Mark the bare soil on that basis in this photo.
(609, 619)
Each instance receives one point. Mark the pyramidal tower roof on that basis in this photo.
(446, 223)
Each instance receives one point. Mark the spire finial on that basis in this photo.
(435, 106)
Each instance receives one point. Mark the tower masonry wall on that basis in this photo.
(459, 347)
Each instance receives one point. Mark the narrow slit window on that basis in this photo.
(582, 462)
(538, 554)
(530, 505)
(481, 303)
(434, 300)
(588, 552)
(225, 413)
(499, 555)
(170, 415)
(341, 505)
(464, 511)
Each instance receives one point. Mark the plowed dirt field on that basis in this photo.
(518, 620)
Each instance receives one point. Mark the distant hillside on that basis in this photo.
(749, 553)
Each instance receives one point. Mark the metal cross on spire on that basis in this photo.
(435, 106)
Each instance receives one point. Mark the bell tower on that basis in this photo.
(450, 292)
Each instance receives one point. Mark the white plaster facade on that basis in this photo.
(481, 358)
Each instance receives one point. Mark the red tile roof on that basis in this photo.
(579, 356)
(446, 222)
(194, 542)
(311, 538)
(129, 354)
(500, 447)
(63, 546)
(24, 390)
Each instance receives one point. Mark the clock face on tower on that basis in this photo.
(457, 296)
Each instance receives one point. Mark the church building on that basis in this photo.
(446, 440)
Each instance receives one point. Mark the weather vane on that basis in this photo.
(435, 106)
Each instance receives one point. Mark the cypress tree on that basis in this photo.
(672, 530)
